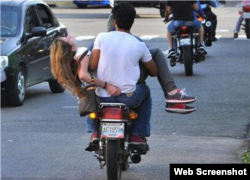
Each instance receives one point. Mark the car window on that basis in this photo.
(9, 21)
(31, 19)
(45, 16)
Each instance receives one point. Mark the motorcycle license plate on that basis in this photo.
(112, 130)
(185, 41)
(246, 15)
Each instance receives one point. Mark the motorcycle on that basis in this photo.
(186, 48)
(246, 16)
(114, 150)
(208, 36)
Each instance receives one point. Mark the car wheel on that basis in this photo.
(55, 87)
(81, 5)
(17, 94)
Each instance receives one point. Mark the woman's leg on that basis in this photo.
(238, 23)
(165, 77)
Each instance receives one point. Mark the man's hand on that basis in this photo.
(113, 90)
(166, 20)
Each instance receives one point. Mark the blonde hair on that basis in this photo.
(64, 68)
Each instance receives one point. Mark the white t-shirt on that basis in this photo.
(80, 51)
(119, 60)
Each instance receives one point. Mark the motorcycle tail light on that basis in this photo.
(112, 113)
(133, 115)
(200, 19)
(246, 8)
(183, 28)
(93, 115)
(184, 31)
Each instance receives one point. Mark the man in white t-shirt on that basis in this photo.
(116, 57)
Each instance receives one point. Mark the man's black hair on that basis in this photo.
(124, 15)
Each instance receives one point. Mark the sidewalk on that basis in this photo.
(54, 3)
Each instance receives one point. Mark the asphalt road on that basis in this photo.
(45, 138)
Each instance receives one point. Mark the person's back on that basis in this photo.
(119, 60)
(182, 10)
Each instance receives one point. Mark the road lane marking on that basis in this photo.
(151, 37)
(69, 107)
(148, 37)
(241, 37)
(222, 30)
(80, 38)
(218, 36)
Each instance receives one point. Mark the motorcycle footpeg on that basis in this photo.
(141, 149)
(92, 147)
(172, 62)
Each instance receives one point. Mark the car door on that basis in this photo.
(35, 49)
(47, 20)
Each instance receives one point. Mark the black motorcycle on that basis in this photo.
(208, 36)
(186, 48)
(114, 150)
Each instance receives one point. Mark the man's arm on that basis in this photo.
(151, 67)
(167, 14)
(200, 11)
(94, 59)
(195, 6)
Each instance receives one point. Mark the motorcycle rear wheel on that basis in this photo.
(208, 42)
(247, 28)
(113, 159)
(188, 62)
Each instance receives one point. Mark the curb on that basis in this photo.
(52, 5)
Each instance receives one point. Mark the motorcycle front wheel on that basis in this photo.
(113, 159)
(188, 62)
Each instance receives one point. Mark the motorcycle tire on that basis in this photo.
(247, 28)
(208, 42)
(188, 62)
(113, 159)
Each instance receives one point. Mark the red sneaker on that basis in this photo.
(179, 108)
(94, 138)
(137, 140)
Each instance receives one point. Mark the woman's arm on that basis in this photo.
(84, 75)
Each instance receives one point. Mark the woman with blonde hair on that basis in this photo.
(67, 60)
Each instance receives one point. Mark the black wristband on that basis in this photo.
(92, 79)
(105, 85)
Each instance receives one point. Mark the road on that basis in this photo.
(45, 138)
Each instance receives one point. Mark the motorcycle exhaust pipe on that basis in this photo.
(135, 158)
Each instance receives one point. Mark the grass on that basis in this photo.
(246, 157)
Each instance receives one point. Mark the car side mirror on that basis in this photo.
(37, 31)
